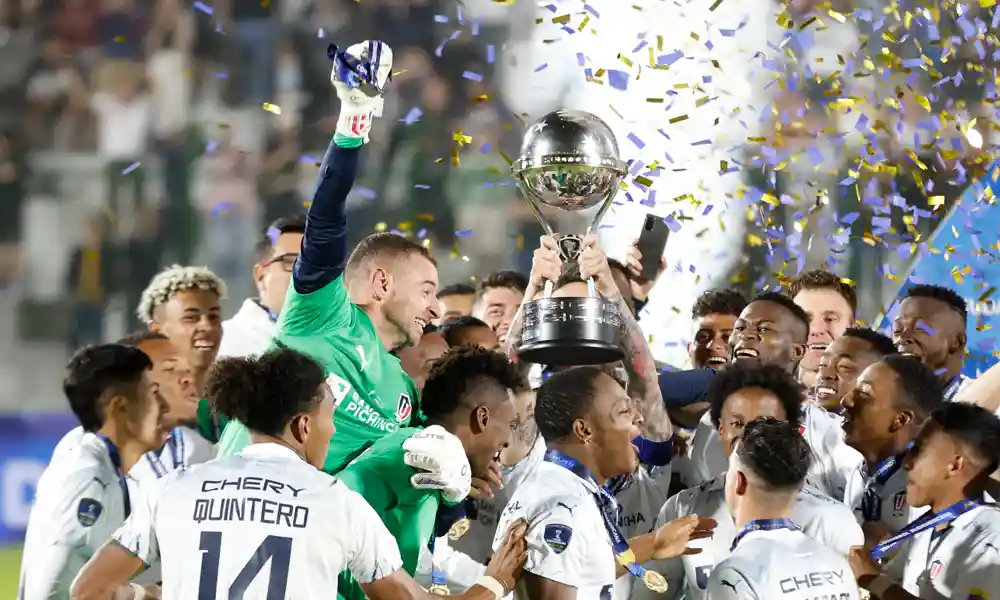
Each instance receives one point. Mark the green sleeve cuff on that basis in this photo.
(344, 141)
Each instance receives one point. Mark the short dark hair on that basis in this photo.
(749, 374)
(775, 452)
(97, 372)
(459, 372)
(953, 299)
(563, 398)
(570, 273)
(384, 245)
(452, 328)
(265, 393)
(919, 386)
(880, 343)
(719, 301)
(137, 338)
(504, 278)
(456, 289)
(787, 302)
(269, 237)
(975, 427)
(821, 279)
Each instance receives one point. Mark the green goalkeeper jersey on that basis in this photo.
(374, 396)
(382, 478)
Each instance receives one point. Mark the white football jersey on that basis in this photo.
(463, 561)
(895, 513)
(184, 447)
(782, 563)
(961, 563)
(248, 333)
(566, 539)
(823, 519)
(833, 463)
(259, 524)
(80, 500)
(68, 441)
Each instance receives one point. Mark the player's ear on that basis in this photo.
(741, 483)
(903, 418)
(480, 418)
(381, 283)
(583, 431)
(798, 351)
(300, 428)
(959, 343)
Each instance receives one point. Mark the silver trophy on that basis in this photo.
(569, 161)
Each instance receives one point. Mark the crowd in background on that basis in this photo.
(200, 122)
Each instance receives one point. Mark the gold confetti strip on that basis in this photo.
(272, 108)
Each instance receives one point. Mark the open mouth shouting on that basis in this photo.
(818, 347)
(716, 362)
(742, 352)
(824, 393)
(204, 345)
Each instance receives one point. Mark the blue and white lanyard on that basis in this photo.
(116, 461)
(930, 520)
(952, 388)
(609, 511)
(175, 443)
(763, 525)
(871, 503)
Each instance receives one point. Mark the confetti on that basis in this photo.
(208, 10)
(272, 108)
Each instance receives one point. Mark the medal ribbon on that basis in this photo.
(763, 525)
(871, 504)
(447, 516)
(952, 389)
(609, 511)
(930, 520)
(116, 460)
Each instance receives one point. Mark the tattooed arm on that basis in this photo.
(643, 379)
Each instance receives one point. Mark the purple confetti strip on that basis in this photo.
(130, 168)
(471, 76)
(541, 67)
(366, 193)
(491, 53)
(422, 186)
(413, 116)
(440, 18)
(208, 10)
(618, 79)
(635, 140)
(463, 233)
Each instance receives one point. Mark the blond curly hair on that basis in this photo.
(173, 279)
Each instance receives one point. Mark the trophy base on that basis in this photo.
(571, 332)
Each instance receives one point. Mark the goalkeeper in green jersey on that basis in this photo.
(350, 312)
(469, 408)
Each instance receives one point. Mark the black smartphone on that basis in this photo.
(652, 241)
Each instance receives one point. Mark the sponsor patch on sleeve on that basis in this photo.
(88, 511)
(557, 537)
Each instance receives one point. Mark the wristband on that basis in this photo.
(655, 454)
(139, 592)
(880, 585)
(494, 585)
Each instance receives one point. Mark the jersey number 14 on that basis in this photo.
(276, 549)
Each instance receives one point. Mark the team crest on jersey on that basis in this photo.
(935, 570)
(88, 511)
(557, 537)
(701, 575)
(403, 408)
(898, 503)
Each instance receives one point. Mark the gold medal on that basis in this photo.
(459, 529)
(655, 582)
(439, 590)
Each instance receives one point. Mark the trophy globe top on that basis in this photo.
(569, 160)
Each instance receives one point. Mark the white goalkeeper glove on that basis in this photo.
(359, 75)
(441, 464)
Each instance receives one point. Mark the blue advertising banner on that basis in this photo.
(963, 254)
(26, 445)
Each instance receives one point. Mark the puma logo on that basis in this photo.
(730, 585)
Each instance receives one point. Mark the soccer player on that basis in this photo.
(469, 331)
(771, 557)
(250, 330)
(498, 298)
(830, 303)
(417, 359)
(182, 303)
(713, 315)
(739, 395)
(86, 494)
(351, 312)
(469, 393)
(456, 300)
(184, 445)
(266, 523)
(930, 326)
(843, 360)
(890, 401)
(954, 547)
(772, 330)
(588, 423)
